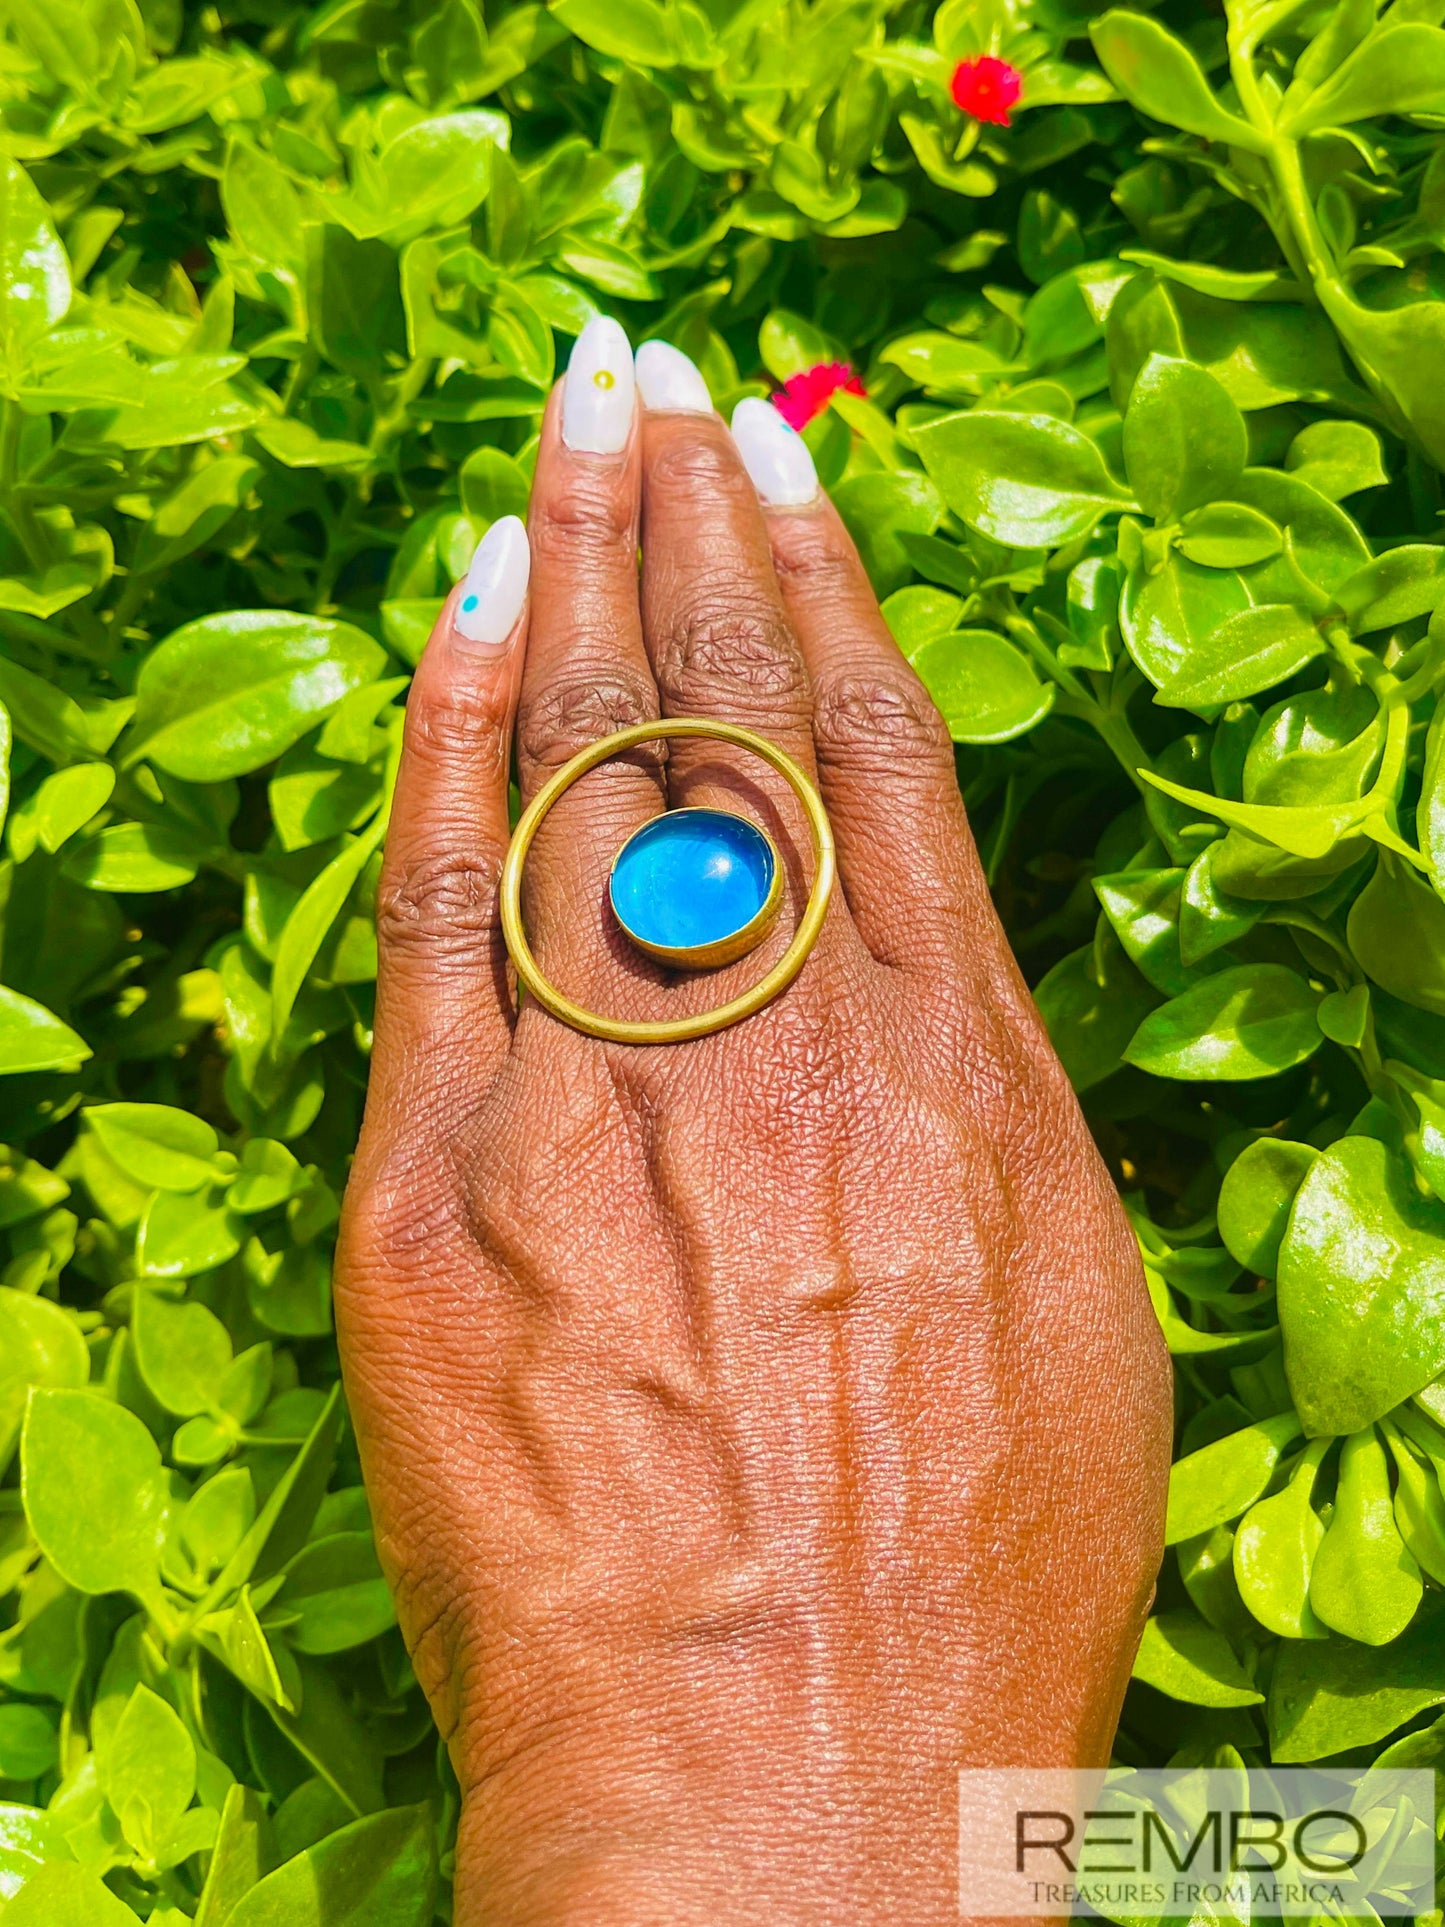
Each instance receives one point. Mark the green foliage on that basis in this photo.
(1148, 474)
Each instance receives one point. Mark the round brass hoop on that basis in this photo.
(675, 1030)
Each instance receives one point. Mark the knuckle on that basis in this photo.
(593, 517)
(466, 726)
(581, 708)
(815, 552)
(725, 649)
(698, 464)
(438, 907)
(881, 719)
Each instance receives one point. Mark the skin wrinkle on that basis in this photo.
(741, 1418)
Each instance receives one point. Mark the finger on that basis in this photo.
(906, 857)
(443, 1007)
(717, 634)
(586, 672)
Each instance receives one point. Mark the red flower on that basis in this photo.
(986, 88)
(806, 395)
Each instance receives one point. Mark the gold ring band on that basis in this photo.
(676, 1030)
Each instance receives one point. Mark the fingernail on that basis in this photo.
(597, 394)
(666, 378)
(775, 456)
(495, 586)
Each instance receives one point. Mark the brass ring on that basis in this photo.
(676, 1030)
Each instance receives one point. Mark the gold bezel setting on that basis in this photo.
(723, 950)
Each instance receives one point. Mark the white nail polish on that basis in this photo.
(666, 378)
(495, 585)
(597, 394)
(775, 456)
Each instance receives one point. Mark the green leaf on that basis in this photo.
(33, 1038)
(62, 1894)
(297, 445)
(135, 857)
(1163, 79)
(1430, 811)
(34, 272)
(1249, 652)
(334, 1596)
(264, 209)
(788, 344)
(1143, 907)
(434, 173)
(30, 1838)
(920, 614)
(1210, 1487)
(226, 694)
(1184, 440)
(1364, 1583)
(40, 1344)
(986, 691)
(380, 1872)
(1361, 1287)
(183, 1352)
(1275, 1549)
(1182, 1656)
(62, 804)
(49, 719)
(353, 297)
(1338, 458)
(1255, 1200)
(313, 798)
(492, 485)
(1396, 70)
(149, 1771)
(1028, 480)
(876, 509)
(1404, 582)
(311, 920)
(94, 1492)
(1252, 1020)
(629, 29)
(239, 1860)
(188, 518)
(945, 365)
(239, 1641)
(217, 1517)
(268, 1176)
(1229, 535)
(1092, 1011)
(1402, 347)
(181, 1235)
(1331, 1696)
(29, 1742)
(157, 1145)
(1419, 1503)
(285, 1519)
(1396, 929)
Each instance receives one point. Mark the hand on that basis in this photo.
(759, 1428)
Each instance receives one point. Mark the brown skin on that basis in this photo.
(762, 1428)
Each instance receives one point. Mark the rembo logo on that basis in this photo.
(1243, 1843)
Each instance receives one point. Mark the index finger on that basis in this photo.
(443, 1007)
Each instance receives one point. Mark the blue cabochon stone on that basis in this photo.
(691, 877)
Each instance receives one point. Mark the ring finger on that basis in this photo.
(717, 634)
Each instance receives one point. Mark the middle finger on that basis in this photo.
(586, 670)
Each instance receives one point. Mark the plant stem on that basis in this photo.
(22, 516)
(1114, 727)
